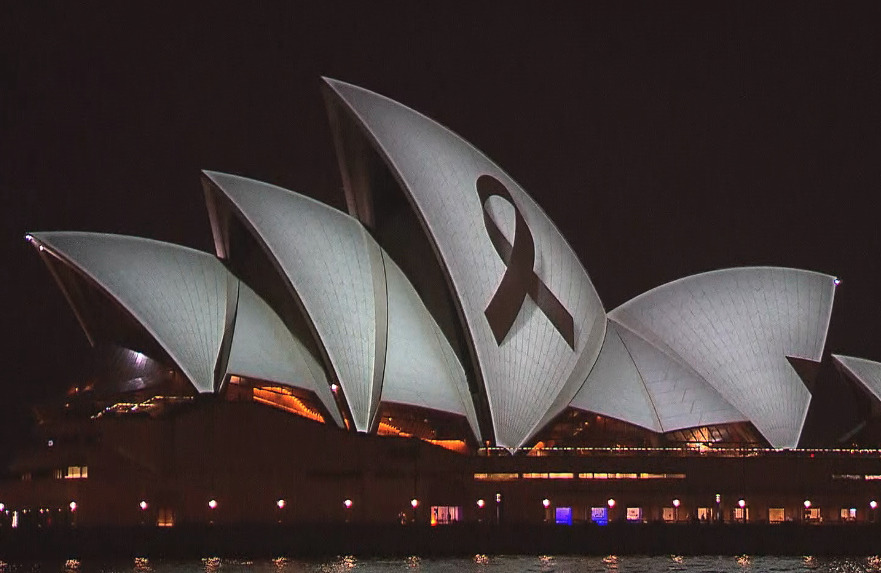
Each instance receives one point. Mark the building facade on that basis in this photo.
(436, 354)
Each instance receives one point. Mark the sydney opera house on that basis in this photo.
(438, 354)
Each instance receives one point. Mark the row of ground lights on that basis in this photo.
(347, 503)
(676, 503)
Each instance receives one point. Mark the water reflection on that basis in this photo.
(547, 562)
(211, 564)
(280, 563)
(344, 563)
(480, 563)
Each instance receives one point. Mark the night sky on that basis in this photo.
(663, 139)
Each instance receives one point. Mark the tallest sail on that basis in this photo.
(532, 321)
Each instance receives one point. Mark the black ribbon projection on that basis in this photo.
(520, 278)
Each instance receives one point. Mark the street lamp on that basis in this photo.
(347, 503)
(414, 503)
(676, 503)
(546, 503)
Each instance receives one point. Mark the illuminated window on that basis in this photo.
(741, 514)
(445, 514)
(561, 475)
(812, 514)
(776, 515)
(59, 474)
(669, 514)
(77, 472)
(497, 477)
(165, 518)
(535, 476)
(634, 514)
(704, 514)
(603, 475)
(283, 398)
(599, 515)
(563, 515)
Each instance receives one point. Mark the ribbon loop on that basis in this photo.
(519, 279)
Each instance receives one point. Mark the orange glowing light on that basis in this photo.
(284, 399)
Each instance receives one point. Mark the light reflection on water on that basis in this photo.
(477, 563)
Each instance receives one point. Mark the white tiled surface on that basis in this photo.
(263, 348)
(867, 372)
(421, 368)
(735, 328)
(681, 398)
(325, 257)
(178, 294)
(533, 374)
(615, 388)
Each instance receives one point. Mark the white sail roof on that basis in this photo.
(421, 368)
(531, 365)
(380, 339)
(734, 328)
(868, 372)
(680, 397)
(336, 270)
(181, 296)
(263, 348)
(615, 387)
(637, 383)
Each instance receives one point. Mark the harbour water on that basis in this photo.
(476, 563)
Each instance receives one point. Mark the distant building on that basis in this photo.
(438, 354)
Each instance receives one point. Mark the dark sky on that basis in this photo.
(664, 139)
